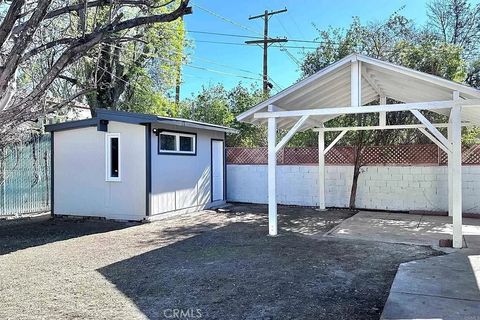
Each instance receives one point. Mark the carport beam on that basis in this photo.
(272, 164)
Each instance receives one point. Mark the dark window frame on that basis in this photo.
(176, 152)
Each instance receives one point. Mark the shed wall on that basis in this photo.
(79, 176)
(182, 182)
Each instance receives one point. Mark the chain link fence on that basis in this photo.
(25, 177)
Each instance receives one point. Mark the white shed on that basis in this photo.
(131, 166)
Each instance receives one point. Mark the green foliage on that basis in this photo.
(139, 71)
(242, 99)
(218, 106)
(431, 56)
(210, 105)
(395, 40)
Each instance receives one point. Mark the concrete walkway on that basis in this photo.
(443, 287)
(405, 228)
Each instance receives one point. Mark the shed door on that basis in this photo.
(217, 170)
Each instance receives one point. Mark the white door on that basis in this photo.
(217, 170)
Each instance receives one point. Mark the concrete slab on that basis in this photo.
(406, 306)
(443, 287)
(405, 228)
(449, 276)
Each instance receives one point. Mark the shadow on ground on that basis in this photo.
(22, 234)
(304, 220)
(236, 272)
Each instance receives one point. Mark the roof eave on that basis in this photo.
(283, 93)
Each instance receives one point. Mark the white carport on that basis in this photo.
(345, 87)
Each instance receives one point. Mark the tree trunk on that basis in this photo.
(356, 173)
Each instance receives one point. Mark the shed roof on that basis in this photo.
(135, 118)
(330, 88)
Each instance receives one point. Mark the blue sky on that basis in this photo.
(228, 64)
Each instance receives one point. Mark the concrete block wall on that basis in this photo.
(386, 188)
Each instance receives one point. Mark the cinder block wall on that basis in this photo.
(379, 187)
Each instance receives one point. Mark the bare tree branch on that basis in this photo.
(10, 19)
(76, 50)
(13, 59)
(46, 46)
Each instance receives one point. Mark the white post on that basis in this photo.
(450, 167)
(382, 115)
(456, 194)
(321, 169)
(272, 166)
(355, 84)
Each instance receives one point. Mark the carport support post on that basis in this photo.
(456, 172)
(321, 169)
(272, 164)
(450, 168)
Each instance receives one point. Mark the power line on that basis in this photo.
(228, 66)
(257, 37)
(295, 23)
(243, 44)
(220, 72)
(193, 66)
(243, 27)
(226, 19)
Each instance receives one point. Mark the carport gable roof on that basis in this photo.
(331, 88)
(134, 118)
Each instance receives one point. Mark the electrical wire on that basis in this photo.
(244, 44)
(194, 66)
(226, 19)
(290, 55)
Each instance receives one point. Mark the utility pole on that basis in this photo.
(266, 42)
(178, 81)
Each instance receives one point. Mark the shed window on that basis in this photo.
(177, 143)
(167, 142)
(112, 156)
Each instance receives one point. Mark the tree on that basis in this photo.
(456, 22)
(241, 99)
(23, 33)
(210, 105)
(395, 40)
(217, 105)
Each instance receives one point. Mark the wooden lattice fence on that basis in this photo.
(413, 154)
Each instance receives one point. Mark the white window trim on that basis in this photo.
(177, 142)
(109, 178)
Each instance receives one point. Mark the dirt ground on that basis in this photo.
(204, 265)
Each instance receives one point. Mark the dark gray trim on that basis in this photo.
(52, 164)
(148, 158)
(225, 166)
(102, 125)
(135, 118)
(175, 153)
(71, 125)
(211, 171)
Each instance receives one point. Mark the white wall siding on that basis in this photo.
(79, 178)
(386, 188)
(182, 181)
